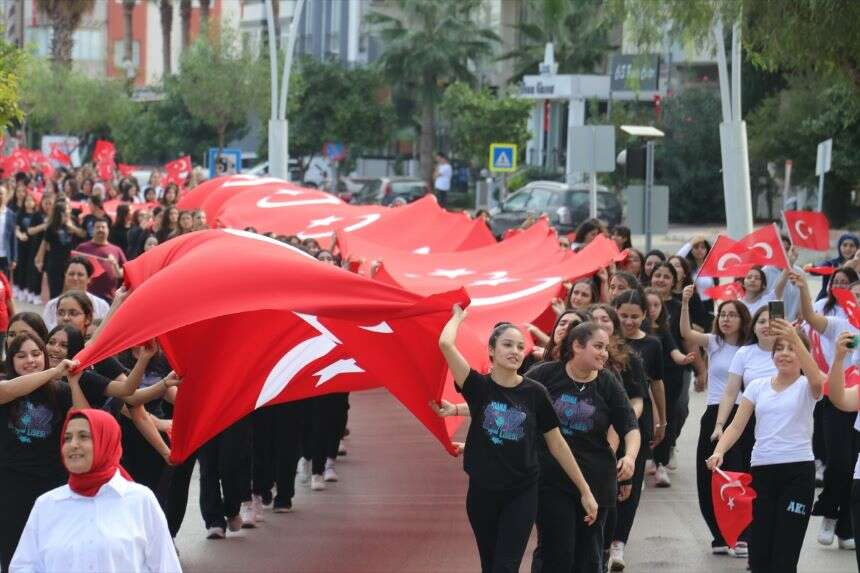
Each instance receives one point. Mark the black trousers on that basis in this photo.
(565, 542)
(277, 444)
(18, 493)
(502, 522)
(819, 448)
(842, 443)
(855, 514)
(732, 461)
(781, 510)
(682, 406)
(225, 473)
(625, 511)
(173, 492)
(327, 419)
(673, 385)
(139, 458)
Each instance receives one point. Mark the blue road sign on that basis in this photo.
(503, 157)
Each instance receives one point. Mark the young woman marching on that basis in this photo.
(731, 326)
(838, 428)
(782, 463)
(847, 400)
(509, 413)
(628, 367)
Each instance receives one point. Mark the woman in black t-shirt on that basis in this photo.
(510, 413)
(588, 399)
(33, 405)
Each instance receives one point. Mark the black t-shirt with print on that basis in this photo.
(30, 441)
(501, 452)
(585, 412)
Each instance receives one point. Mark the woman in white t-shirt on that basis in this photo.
(730, 329)
(756, 292)
(841, 441)
(783, 469)
(847, 400)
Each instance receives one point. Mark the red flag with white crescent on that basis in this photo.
(732, 495)
(848, 302)
(808, 229)
(297, 328)
(723, 261)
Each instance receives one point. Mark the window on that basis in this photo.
(119, 54)
(577, 200)
(89, 45)
(517, 201)
(540, 199)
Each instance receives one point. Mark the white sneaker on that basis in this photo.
(650, 467)
(329, 474)
(234, 523)
(847, 544)
(341, 449)
(303, 470)
(819, 473)
(215, 533)
(248, 515)
(257, 504)
(616, 556)
(741, 550)
(673, 460)
(317, 482)
(827, 531)
(662, 477)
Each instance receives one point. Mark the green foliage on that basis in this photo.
(578, 29)
(329, 102)
(61, 100)
(688, 157)
(217, 81)
(11, 67)
(477, 118)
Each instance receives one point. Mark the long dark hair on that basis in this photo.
(752, 337)
(852, 276)
(580, 333)
(45, 394)
(55, 221)
(74, 337)
(661, 323)
(31, 319)
(585, 228)
(688, 274)
(83, 301)
(595, 292)
(691, 259)
(619, 352)
(623, 231)
(551, 351)
(668, 266)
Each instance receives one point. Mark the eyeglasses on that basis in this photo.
(68, 313)
(729, 315)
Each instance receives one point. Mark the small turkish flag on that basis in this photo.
(179, 170)
(732, 496)
(104, 152)
(723, 261)
(125, 169)
(808, 229)
(763, 247)
(726, 291)
(105, 170)
(852, 378)
(849, 304)
(59, 156)
(821, 271)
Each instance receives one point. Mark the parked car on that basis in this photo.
(384, 190)
(567, 206)
(348, 186)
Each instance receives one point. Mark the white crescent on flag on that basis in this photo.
(723, 261)
(768, 250)
(803, 235)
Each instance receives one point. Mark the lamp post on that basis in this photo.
(650, 134)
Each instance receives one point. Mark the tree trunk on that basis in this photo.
(127, 37)
(204, 13)
(166, 34)
(185, 14)
(61, 46)
(427, 138)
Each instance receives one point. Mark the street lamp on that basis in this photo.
(650, 134)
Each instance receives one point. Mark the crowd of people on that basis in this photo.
(565, 431)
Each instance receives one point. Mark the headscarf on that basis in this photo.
(107, 451)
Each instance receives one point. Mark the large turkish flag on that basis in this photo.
(808, 229)
(248, 321)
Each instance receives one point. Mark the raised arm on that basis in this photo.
(846, 399)
(687, 333)
(128, 385)
(817, 321)
(448, 345)
(816, 378)
(118, 299)
(23, 385)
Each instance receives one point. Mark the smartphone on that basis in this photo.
(855, 341)
(776, 309)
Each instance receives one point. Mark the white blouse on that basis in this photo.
(120, 529)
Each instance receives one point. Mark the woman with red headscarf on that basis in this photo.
(101, 520)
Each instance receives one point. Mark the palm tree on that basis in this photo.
(166, 12)
(204, 13)
(578, 30)
(65, 17)
(427, 45)
(127, 36)
(185, 15)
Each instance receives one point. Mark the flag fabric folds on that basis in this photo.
(808, 229)
(732, 496)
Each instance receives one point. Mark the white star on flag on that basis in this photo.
(327, 222)
(451, 273)
(496, 278)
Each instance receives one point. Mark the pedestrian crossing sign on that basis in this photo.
(503, 157)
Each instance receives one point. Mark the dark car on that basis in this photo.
(566, 206)
(385, 190)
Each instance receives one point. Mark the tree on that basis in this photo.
(477, 118)
(329, 102)
(128, 33)
(578, 30)
(427, 45)
(217, 81)
(11, 68)
(65, 17)
(204, 13)
(185, 15)
(165, 9)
